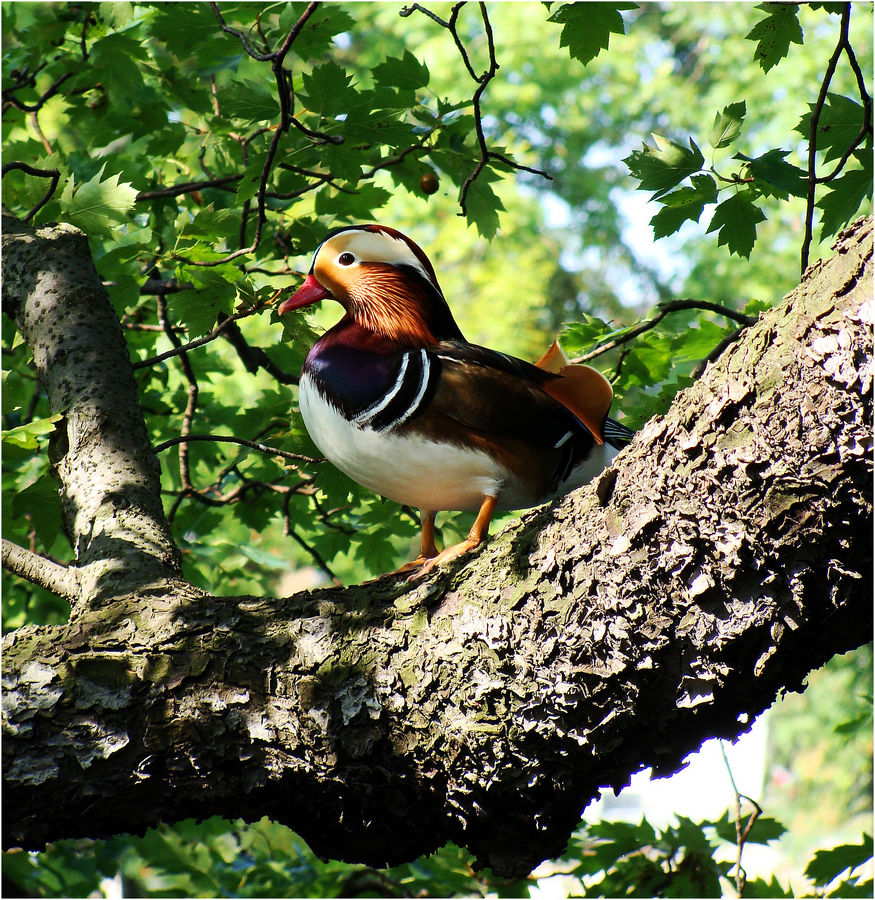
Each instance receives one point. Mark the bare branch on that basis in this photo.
(255, 358)
(653, 321)
(261, 57)
(188, 187)
(53, 174)
(742, 831)
(289, 531)
(199, 342)
(10, 98)
(230, 439)
(193, 390)
(843, 46)
(482, 81)
(60, 580)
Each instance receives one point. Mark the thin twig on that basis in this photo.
(276, 59)
(229, 439)
(742, 831)
(812, 134)
(192, 392)
(34, 123)
(653, 321)
(54, 174)
(261, 57)
(162, 286)
(254, 358)
(866, 127)
(199, 342)
(188, 187)
(728, 340)
(482, 81)
(415, 7)
(289, 531)
(9, 97)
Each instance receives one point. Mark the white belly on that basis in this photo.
(406, 468)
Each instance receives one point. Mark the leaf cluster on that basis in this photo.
(607, 859)
(676, 174)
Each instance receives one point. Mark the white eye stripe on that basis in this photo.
(370, 246)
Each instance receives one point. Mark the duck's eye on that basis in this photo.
(346, 259)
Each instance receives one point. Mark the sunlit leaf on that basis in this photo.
(727, 125)
(775, 33)
(98, 205)
(587, 27)
(662, 167)
(735, 221)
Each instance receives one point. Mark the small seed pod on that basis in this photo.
(429, 183)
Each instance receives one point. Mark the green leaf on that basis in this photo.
(482, 207)
(328, 89)
(764, 829)
(407, 73)
(25, 436)
(587, 27)
(197, 310)
(358, 205)
(775, 177)
(99, 205)
(843, 196)
(727, 125)
(736, 219)
(834, 8)
(248, 100)
(684, 204)
(660, 168)
(40, 500)
(838, 125)
(829, 864)
(775, 33)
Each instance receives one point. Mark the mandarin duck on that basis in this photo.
(399, 401)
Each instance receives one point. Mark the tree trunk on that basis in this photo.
(723, 556)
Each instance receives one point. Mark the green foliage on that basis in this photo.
(820, 748)
(217, 858)
(828, 865)
(842, 127)
(99, 205)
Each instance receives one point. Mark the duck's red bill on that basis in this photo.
(309, 292)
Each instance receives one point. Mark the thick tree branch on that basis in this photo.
(110, 500)
(724, 555)
(36, 569)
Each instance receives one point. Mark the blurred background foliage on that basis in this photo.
(161, 125)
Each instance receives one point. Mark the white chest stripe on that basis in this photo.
(367, 416)
(371, 411)
(423, 386)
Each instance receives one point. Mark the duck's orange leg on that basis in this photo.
(427, 548)
(475, 537)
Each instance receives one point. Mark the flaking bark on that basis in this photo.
(724, 555)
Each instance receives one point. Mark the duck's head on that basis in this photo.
(385, 283)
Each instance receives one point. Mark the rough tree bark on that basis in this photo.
(722, 557)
